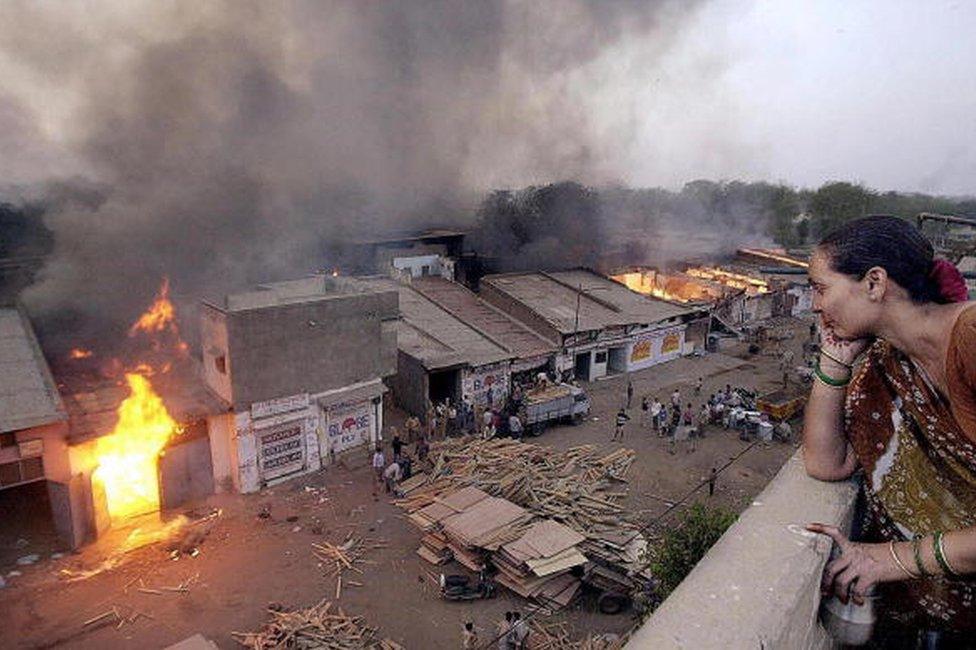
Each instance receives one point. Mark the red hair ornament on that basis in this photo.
(952, 286)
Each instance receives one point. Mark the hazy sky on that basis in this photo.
(880, 91)
(231, 140)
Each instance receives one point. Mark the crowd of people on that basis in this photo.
(677, 419)
(501, 415)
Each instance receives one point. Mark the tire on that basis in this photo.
(456, 580)
(611, 603)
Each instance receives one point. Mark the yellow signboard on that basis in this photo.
(641, 350)
(671, 343)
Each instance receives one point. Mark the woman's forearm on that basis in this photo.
(826, 452)
(958, 550)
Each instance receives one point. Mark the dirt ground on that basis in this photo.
(247, 562)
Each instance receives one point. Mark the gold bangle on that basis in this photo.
(849, 366)
(894, 556)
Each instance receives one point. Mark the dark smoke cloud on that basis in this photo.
(231, 140)
(566, 225)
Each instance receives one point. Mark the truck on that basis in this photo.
(782, 404)
(554, 403)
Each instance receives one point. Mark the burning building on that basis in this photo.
(103, 443)
(738, 293)
(599, 326)
(302, 365)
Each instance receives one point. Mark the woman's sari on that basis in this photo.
(920, 477)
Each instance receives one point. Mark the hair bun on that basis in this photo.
(951, 284)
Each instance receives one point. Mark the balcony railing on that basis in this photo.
(758, 586)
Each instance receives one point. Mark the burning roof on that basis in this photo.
(693, 284)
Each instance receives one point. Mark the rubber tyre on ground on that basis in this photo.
(611, 603)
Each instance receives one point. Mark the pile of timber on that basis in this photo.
(538, 564)
(320, 626)
(466, 525)
(533, 512)
(574, 487)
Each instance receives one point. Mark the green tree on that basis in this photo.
(684, 545)
(837, 203)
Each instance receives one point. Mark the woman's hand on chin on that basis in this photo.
(846, 350)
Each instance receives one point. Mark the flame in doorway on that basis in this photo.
(127, 458)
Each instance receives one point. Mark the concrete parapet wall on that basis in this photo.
(758, 587)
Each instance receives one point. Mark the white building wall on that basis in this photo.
(651, 348)
(346, 426)
(475, 383)
(414, 266)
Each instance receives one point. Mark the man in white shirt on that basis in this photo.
(656, 413)
(379, 462)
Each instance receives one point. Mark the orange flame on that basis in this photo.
(79, 353)
(159, 316)
(729, 279)
(644, 283)
(684, 287)
(127, 458)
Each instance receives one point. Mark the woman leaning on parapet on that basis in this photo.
(905, 413)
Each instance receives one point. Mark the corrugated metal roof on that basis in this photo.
(602, 301)
(94, 410)
(484, 317)
(28, 396)
(438, 339)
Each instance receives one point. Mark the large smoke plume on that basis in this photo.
(224, 143)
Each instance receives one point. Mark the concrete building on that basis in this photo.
(440, 356)
(601, 326)
(302, 365)
(412, 251)
(35, 472)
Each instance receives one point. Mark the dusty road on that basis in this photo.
(247, 562)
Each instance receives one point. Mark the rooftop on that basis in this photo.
(484, 317)
(28, 396)
(602, 301)
(93, 410)
(92, 400)
(438, 338)
(312, 288)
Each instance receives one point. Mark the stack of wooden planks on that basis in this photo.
(533, 512)
(538, 564)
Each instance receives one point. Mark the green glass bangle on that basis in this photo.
(917, 551)
(827, 379)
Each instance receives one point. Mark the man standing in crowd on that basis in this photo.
(379, 462)
(619, 422)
